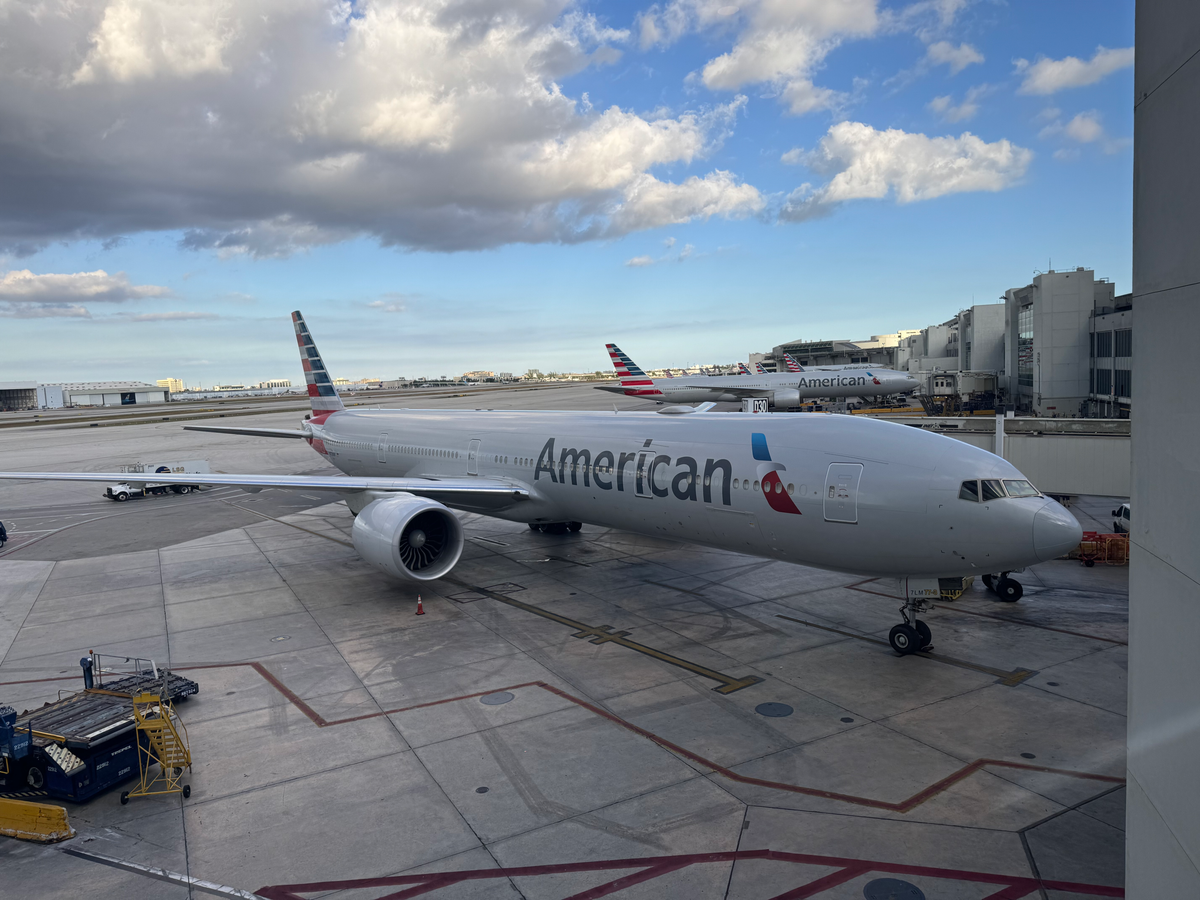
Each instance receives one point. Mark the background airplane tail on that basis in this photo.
(742, 370)
(792, 365)
(759, 369)
(321, 392)
(627, 370)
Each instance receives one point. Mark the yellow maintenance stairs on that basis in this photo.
(162, 740)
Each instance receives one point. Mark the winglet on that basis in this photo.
(321, 393)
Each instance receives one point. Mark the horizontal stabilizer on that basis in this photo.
(253, 432)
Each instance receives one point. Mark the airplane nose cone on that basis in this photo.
(1055, 532)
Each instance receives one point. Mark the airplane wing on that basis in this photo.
(253, 432)
(465, 491)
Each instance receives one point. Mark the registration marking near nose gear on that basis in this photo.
(603, 634)
(1008, 679)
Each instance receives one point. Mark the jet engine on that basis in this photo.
(785, 397)
(409, 537)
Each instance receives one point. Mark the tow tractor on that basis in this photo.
(159, 483)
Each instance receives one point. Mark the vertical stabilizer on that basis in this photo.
(792, 365)
(759, 369)
(321, 392)
(742, 370)
(633, 379)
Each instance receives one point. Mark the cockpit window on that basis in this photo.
(969, 491)
(992, 489)
(1019, 488)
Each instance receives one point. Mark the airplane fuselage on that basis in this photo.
(807, 385)
(838, 492)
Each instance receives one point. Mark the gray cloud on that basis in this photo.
(272, 126)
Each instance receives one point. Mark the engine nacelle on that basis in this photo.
(786, 397)
(409, 537)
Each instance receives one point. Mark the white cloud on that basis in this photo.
(142, 39)
(780, 44)
(267, 127)
(793, 157)
(865, 163)
(1084, 128)
(688, 252)
(957, 58)
(1048, 76)
(22, 285)
(175, 316)
(24, 295)
(945, 108)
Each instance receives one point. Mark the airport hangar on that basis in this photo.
(594, 712)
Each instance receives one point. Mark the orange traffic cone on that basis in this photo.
(420, 606)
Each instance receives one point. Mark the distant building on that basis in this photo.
(1110, 352)
(1047, 322)
(275, 383)
(16, 395)
(342, 382)
(111, 393)
(174, 385)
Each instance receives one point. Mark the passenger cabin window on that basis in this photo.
(1018, 488)
(969, 491)
(992, 489)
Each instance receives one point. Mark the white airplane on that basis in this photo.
(838, 492)
(782, 389)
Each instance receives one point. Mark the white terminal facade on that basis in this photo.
(1059, 346)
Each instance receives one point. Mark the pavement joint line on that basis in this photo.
(602, 634)
(903, 806)
(160, 874)
(1008, 679)
(1012, 887)
(289, 524)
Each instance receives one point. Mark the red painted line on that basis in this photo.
(903, 806)
(619, 884)
(1013, 887)
(833, 879)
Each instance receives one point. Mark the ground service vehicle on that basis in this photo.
(143, 487)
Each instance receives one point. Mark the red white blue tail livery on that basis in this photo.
(321, 392)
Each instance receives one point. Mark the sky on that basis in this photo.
(504, 184)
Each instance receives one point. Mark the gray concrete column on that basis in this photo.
(1163, 817)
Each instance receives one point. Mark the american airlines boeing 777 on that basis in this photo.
(838, 492)
(781, 389)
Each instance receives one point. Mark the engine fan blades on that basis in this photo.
(423, 540)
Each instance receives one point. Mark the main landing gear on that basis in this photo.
(914, 635)
(1007, 589)
(556, 527)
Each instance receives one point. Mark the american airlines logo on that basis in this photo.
(652, 475)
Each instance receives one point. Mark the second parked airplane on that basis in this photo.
(781, 389)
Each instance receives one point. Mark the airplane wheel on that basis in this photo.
(556, 528)
(924, 634)
(1009, 590)
(1089, 562)
(534, 526)
(574, 526)
(989, 582)
(904, 639)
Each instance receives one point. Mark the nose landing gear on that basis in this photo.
(914, 635)
(1007, 589)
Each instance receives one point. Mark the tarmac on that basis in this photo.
(587, 715)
